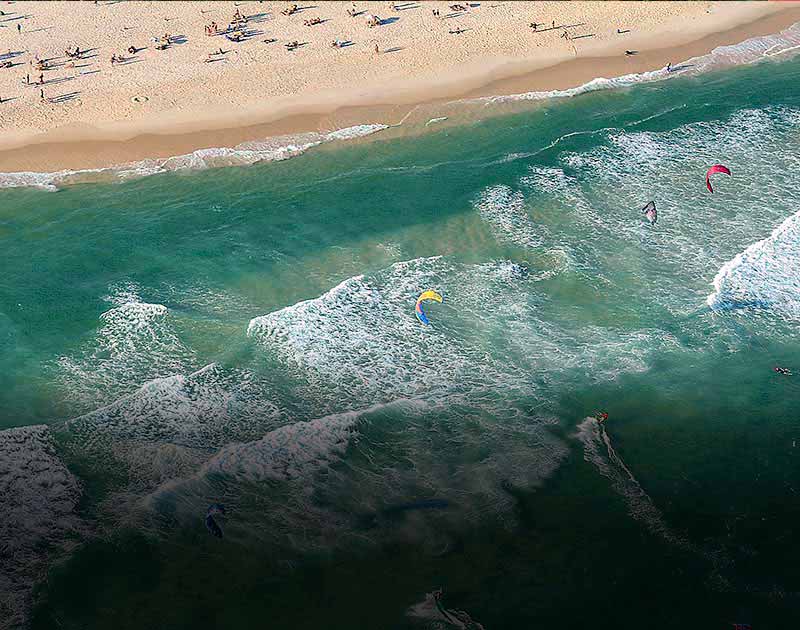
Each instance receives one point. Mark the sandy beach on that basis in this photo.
(189, 75)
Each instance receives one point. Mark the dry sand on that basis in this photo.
(167, 102)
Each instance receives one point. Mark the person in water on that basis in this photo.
(783, 370)
(601, 416)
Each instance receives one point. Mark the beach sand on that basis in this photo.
(160, 103)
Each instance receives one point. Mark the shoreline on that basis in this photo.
(82, 147)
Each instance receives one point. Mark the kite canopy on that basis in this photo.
(717, 168)
(650, 212)
(425, 296)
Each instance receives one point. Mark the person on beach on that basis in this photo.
(669, 67)
(19, 27)
(41, 95)
(377, 50)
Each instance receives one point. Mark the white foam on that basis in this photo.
(433, 121)
(506, 212)
(763, 275)
(269, 150)
(752, 50)
(40, 498)
(749, 51)
(605, 187)
(202, 410)
(600, 83)
(361, 339)
(295, 450)
(136, 343)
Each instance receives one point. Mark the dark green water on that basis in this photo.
(247, 336)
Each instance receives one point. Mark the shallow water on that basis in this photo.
(247, 336)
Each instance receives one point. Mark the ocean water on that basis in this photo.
(246, 336)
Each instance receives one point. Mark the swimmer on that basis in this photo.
(783, 370)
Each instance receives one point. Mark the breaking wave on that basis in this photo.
(763, 275)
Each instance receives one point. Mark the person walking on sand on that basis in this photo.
(19, 27)
(41, 94)
(377, 50)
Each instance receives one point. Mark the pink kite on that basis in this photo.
(717, 168)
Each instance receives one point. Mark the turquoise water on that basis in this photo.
(247, 336)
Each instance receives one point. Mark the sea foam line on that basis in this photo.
(749, 51)
(269, 150)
